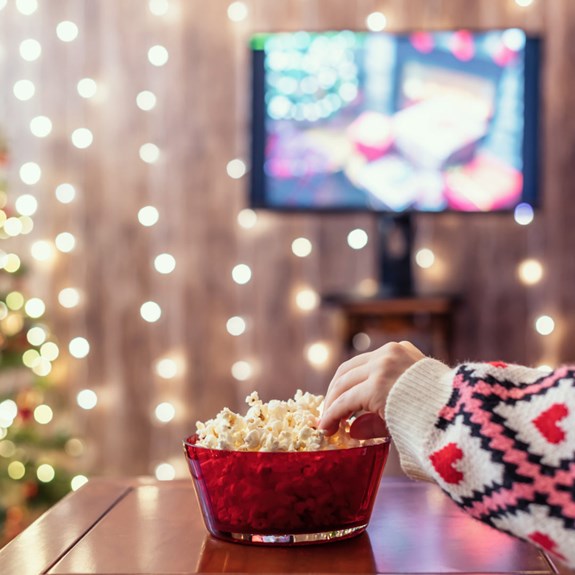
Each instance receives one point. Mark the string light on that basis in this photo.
(36, 335)
(49, 351)
(544, 325)
(149, 153)
(241, 274)
(7, 448)
(301, 247)
(357, 239)
(26, 7)
(523, 214)
(42, 250)
(158, 7)
(24, 90)
(77, 482)
(16, 470)
(165, 472)
(361, 341)
(12, 263)
(27, 224)
(43, 414)
(247, 218)
(236, 169)
(69, 297)
(87, 88)
(530, 271)
(67, 31)
(165, 263)
(165, 412)
(26, 205)
(146, 100)
(41, 126)
(13, 227)
(150, 311)
(30, 49)
(523, 3)
(87, 399)
(35, 307)
(242, 370)
(237, 11)
(15, 300)
(30, 173)
(82, 138)
(318, 354)
(3, 4)
(307, 299)
(74, 447)
(65, 242)
(158, 55)
(65, 193)
(236, 325)
(425, 258)
(148, 216)
(376, 21)
(166, 368)
(79, 347)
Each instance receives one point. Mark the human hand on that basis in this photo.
(362, 384)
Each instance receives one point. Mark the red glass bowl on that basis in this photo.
(286, 498)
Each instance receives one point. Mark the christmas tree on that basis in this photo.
(36, 451)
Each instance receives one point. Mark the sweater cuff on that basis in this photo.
(412, 410)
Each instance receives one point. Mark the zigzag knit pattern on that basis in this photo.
(504, 450)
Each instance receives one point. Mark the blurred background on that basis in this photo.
(129, 247)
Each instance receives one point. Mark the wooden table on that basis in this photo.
(143, 526)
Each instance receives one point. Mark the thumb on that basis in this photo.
(367, 426)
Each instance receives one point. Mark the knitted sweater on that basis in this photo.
(498, 439)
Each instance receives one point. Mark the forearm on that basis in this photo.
(500, 440)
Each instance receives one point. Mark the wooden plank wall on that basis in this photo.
(200, 123)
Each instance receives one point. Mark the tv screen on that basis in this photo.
(418, 122)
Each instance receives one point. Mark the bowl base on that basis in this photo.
(291, 539)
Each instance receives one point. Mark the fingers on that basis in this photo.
(350, 401)
(367, 426)
(347, 375)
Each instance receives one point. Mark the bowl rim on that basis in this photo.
(373, 442)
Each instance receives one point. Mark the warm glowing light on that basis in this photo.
(27, 224)
(236, 325)
(148, 216)
(247, 218)
(165, 472)
(65, 193)
(45, 473)
(357, 239)
(530, 271)
(74, 447)
(16, 470)
(307, 299)
(50, 351)
(67, 31)
(544, 325)
(11, 263)
(65, 242)
(69, 297)
(242, 370)
(42, 250)
(425, 258)
(301, 247)
(376, 21)
(3, 310)
(3, 4)
(31, 358)
(26, 205)
(77, 482)
(15, 300)
(524, 3)
(35, 307)
(36, 335)
(13, 227)
(41, 126)
(82, 138)
(30, 173)
(158, 55)
(241, 274)
(523, 214)
(87, 87)
(8, 411)
(30, 49)
(26, 7)
(7, 447)
(236, 169)
(42, 368)
(146, 100)
(24, 90)
(87, 399)
(149, 153)
(237, 11)
(166, 368)
(158, 7)
(318, 354)
(150, 311)
(165, 263)
(79, 347)
(43, 414)
(165, 412)
(361, 341)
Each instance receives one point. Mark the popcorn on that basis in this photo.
(274, 426)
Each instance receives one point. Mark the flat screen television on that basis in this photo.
(395, 124)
